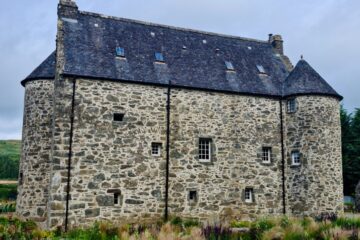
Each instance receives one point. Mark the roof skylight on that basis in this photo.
(261, 69)
(120, 52)
(229, 66)
(159, 57)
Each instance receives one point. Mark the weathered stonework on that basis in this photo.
(239, 127)
(35, 155)
(314, 130)
(79, 165)
(115, 157)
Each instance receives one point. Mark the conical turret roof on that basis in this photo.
(303, 79)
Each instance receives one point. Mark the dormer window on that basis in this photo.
(229, 66)
(159, 57)
(291, 105)
(120, 52)
(261, 69)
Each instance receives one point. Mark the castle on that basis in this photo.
(130, 120)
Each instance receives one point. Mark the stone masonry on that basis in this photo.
(92, 116)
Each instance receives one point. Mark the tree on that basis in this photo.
(350, 127)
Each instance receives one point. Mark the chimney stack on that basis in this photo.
(67, 9)
(277, 43)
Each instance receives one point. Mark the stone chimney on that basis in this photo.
(67, 9)
(277, 43)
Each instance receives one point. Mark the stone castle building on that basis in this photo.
(129, 120)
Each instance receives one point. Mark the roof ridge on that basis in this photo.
(171, 27)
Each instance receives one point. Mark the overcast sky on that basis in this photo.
(326, 32)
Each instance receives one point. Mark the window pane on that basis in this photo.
(120, 52)
(266, 154)
(159, 57)
(261, 69)
(229, 65)
(204, 149)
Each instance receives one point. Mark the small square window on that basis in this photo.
(193, 196)
(117, 195)
(295, 158)
(291, 105)
(21, 178)
(120, 52)
(229, 66)
(118, 117)
(204, 150)
(156, 149)
(266, 155)
(249, 198)
(261, 69)
(116, 198)
(159, 57)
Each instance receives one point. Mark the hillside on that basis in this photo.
(9, 158)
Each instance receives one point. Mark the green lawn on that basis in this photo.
(10, 149)
(9, 158)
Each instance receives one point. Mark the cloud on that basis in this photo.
(325, 32)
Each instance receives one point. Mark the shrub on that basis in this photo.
(240, 224)
(326, 217)
(217, 232)
(7, 207)
(347, 223)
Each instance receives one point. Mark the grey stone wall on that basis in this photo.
(35, 154)
(314, 130)
(239, 126)
(113, 157)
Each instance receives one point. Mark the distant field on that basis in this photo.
(10, 149)
(8, 191)
(9, 158)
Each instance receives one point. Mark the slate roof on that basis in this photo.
(46, 70)
(303, 79)
(193, 59)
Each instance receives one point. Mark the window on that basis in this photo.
(204, 150)
(117, 195)
(266, 155)
(159, 57)
(261, 69)
(21, 178)
(156, 149)
(291, 105)
(120, 52)
(192, 196)
(229, 66)
(118, 117)
(295, 158)
(249, 198)
(116, 198)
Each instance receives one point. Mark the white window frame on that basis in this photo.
(249, 192)
(204, 151)
(266, 154)
(156, 146)
(295, 158)
(291, 105)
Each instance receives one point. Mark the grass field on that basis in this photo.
(10, 149)
(9, 158)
